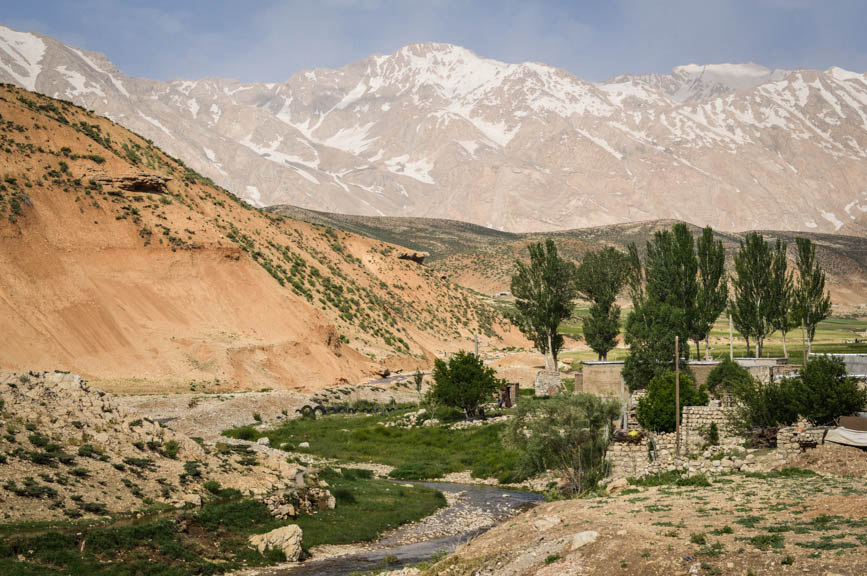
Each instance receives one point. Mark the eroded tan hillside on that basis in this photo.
(118, 262)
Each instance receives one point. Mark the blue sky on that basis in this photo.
(271, 40)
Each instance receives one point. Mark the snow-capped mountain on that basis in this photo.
(435, 130)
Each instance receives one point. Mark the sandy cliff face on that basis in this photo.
(435, 130)
(137, 284)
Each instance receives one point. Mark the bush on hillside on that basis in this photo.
(726, 376)
(656, 409)
(824, 392)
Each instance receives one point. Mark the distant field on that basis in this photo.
(834, 335)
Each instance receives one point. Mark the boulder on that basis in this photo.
(263, 441)
(583, 538)
(287, 539)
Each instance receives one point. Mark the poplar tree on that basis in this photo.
(812, 303)
(712, 286)
(544, 292)
(600, 278)
(783, 293)
(752, 306)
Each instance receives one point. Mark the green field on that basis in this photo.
(833, 336)
(416, 453)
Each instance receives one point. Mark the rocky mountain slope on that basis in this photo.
(434, 130)
(121, 263)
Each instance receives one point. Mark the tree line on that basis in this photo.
(679, 287)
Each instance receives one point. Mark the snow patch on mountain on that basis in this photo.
(21, 56)
(79, 83)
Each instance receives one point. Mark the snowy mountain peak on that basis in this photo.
(436, 130)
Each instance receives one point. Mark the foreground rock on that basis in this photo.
(68, 450)
(286, 538)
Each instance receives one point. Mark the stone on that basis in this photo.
(545, 523)
(583, 538)
(264, 441)
(617, 485)
(548, 383)
(304, 445)
(286, 538)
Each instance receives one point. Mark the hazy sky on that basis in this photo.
(271, 40)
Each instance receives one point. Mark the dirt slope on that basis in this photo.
(143, 283)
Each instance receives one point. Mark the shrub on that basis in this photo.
(566, 433)
(656, 409)
(824, 392)
(726, 376)
(711, 434)
(171, 449)
(344, 496)
(760, 408)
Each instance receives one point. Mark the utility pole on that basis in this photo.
(731, 337)
(677, 394)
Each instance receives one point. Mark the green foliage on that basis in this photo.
(783, 317)
(712, 285)
(464, 382)
(656, 410)
(823, 392)
(365, 509)
(762, 406)
(171, 449)
(566, 433)
(650, 332)
(600, 278)
(753, 306)
(712, 435)
(727, 375)
(812, 303)
(544, 291)
(414, 452)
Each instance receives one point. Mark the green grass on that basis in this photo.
(214, 539)
(151, 546)
(416, 453)
(365, 509)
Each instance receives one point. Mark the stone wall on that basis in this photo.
(696, 420)
(701, 370)
(602, 378)
(790, 439)
(547, 383)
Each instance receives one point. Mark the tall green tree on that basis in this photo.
(544, 292)
(812, 303)
(664, 289)
(783, 293)
(464, 382)
(600, 278)
(712, 286)
(753, 306)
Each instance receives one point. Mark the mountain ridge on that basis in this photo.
(433, 130)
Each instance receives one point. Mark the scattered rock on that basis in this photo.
(264, 441)
(287, 539)
(583, 538)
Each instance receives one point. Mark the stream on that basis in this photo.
(422, 540)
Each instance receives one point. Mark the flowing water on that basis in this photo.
(489, 502)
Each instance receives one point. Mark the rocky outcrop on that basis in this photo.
(413, 256)
(139, 182)
(287, 539)
(69, 450)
